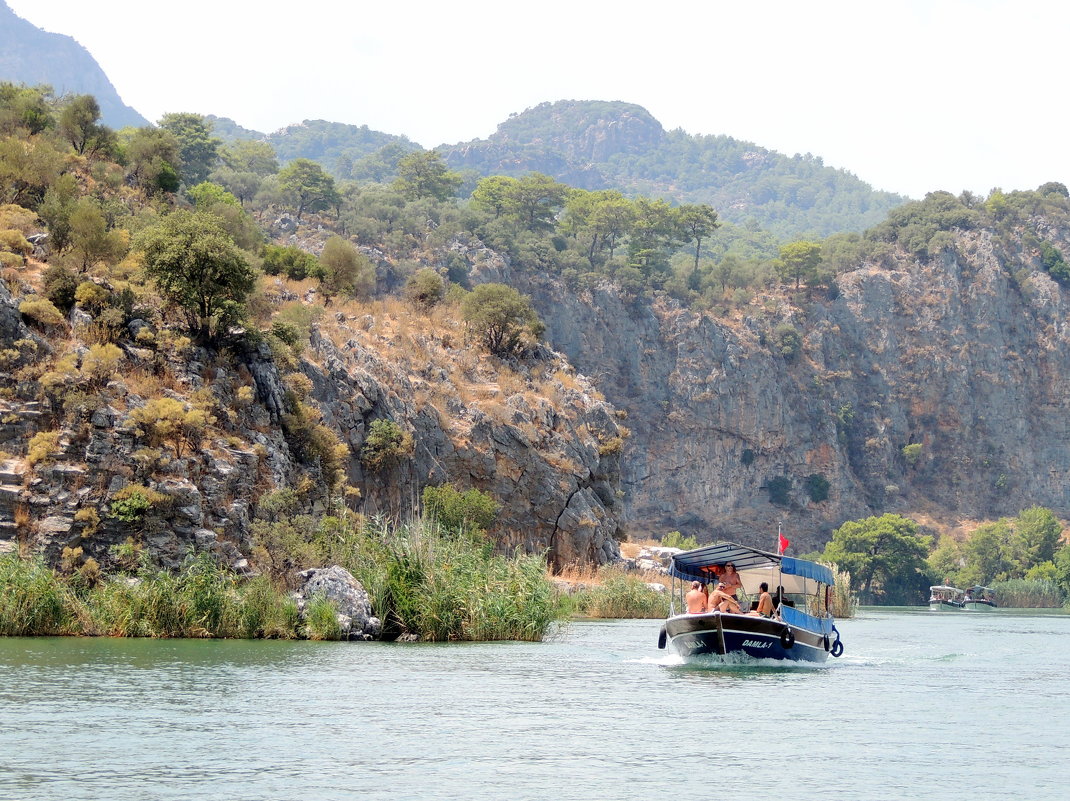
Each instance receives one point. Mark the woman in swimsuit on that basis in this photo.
(731, 579)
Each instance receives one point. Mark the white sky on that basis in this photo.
(910, 96)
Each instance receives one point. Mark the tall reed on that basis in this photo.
(33, 600)
(1029, 594)
(441, 585)
(844, 602)
(421, 580)
(622, 596)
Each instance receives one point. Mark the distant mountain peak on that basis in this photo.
(586, 130)
(33, 56)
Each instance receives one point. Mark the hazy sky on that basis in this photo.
(910, 96)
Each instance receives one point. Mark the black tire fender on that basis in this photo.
(825, 642)
(662, 637)
(837, 649)
(787, 637)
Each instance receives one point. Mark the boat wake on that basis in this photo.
(735, 661)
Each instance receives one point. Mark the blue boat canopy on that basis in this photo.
(754, 566)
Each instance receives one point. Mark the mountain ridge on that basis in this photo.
(33, 56)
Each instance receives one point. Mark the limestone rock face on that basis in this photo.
(959, 355)
(349, 596)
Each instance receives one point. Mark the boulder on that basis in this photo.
(354, 607)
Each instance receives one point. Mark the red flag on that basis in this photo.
(782, 544)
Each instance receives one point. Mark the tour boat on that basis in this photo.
(801, 628)
(945, 599)
(979, 599)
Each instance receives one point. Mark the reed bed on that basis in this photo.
(422, 581)
(201, 600)
(619, 595)
(440, 585)
(1028, 594)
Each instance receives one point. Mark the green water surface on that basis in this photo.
(922, 705)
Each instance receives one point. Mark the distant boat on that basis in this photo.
(801, 628)
(979, 599)
(943, 598)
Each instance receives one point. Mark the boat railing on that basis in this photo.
(804, 620)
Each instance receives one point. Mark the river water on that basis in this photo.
(923, 705)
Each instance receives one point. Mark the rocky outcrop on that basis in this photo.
(545, 446)
(966, 355)
(336, 584)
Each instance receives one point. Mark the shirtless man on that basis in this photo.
(722, 601)
(765, 602)
(696, 599)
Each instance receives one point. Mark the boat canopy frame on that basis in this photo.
(754, 566)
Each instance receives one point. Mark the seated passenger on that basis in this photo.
(695, 599)
(765, 603)
(722, 601)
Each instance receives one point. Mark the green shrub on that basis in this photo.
(60, 286)
(502, 318)
(13, 241)
(43, 311)
(817, 487)
(468, 511)
(133, 502)
(101, 363)
(674, 539)
(912, 453)
(42, 446)
(168, 421)
(293, 262)
(425, 288)
(787, 342)
(780, 491)
(90, 295)
(385, 443)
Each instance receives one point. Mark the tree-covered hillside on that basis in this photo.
(600, 145)
(763, 198)
(345, 151)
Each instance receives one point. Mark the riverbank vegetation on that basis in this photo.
(891, 560)
(613, 593)
(424, 582)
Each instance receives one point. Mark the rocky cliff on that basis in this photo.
(963, 357)
(32, 56)
(536, 436)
